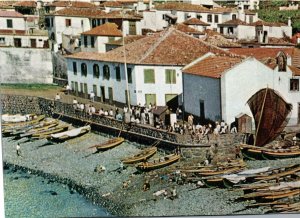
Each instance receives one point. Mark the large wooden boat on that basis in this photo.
(73, 133)
(270, 112)
(280, 154)
(142, 156)
(276, 174)
(271, 195)
(15, 118)
(111, 143)
(47, 127)
(47, 133)
(220, 171)
(158, 163)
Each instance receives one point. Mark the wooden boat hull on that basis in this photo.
(109, 144)
(66, 136)
(149, 152)
(269, 155)
(39, 130)
(20, 124)
(48, 133)
(220, 172)
(215, 182)
(252, 154)
(146, 166)
(278, 175)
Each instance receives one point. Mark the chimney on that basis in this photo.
(289, 22)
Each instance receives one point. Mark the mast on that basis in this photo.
(125, 61)
(261, 113)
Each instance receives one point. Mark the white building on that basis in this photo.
(173, 12)
(232, 80)
(12, 20)
(79, 20)
(153, 68)
(95, 39)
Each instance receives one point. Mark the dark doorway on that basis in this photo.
(202, 110)
(110, 95)
(102, 88)
(33, 43)
(17, 42)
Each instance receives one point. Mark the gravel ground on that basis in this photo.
(74, 161)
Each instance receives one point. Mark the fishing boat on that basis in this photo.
(142, 156)
(111, 143)
(16, 118)
(46, 127)
(73, 133)
(278, 173)
(47, 133)
(220, 171)
(270, 112)
(280, 154)
(158, 163)
(36, 119)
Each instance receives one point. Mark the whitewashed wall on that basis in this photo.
(18, 23)
(25, 40)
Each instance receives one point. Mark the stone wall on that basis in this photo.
(14, 104)
(25, 65)
(59, 69)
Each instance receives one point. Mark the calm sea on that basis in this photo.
(27, 195)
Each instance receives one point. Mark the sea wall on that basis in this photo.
(25, 65)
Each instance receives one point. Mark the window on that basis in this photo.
(150, 99)
(47, 22)
(129, 75)
(75, 68)
(250, 19)
(294, 84)
(85, 41)
(170, 76)
(2, 40)
(9, 23)
(149, 76)
(209, 18)
(216, 19)
(106, 73)
(118, 73)
(92, 41)
(96, 71)
(222, 30)
(83, 69)
(68, 22)
(234, 17)
(169, 97)
(94, 23)
(199, 16)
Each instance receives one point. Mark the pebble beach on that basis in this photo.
(74, 164)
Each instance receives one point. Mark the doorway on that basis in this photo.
(33, 43)
(202, 110)
(110, 95)
(102, 89)
(298, 113)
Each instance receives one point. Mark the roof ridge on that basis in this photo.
(155, 45)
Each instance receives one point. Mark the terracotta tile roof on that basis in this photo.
(268, 55)
(234, 22)
(295, 70)
(218, 40)
(28, 4)
(195, 21)
(120, 14)
(127, 40)
(12, 32)
(264, 23)
(75, 4)
(107, 29)
(7, 4)
(214, 66)
(279, 41)
(111, 4)
(186, 29)
(169, 47)
(131, 1)
(80, 12)
(10, 14)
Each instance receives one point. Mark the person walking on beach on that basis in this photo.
(18, 150)
(146, 186)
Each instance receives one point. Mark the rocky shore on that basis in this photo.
(74, 164)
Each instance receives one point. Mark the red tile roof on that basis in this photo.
(107, 29)
(28, 4)
(127, 40)
(186, 29)
(218, 40)
(264, 23)
(249, 12)
(75, 4)
(131, 1)
(7, 4)
(195, 21)
(234, 22)
(12, 32)
(169, 47)
(120, 14)
(213, 66)
(295, 70)
(193, 8)
(10, 14)
(80, 12)
(111, 4)
(268, 55)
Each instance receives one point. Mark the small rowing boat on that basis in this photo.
(158, 163)
(16, 118)
(111, 143)
(35, 120)
(280, 154)
(142, 156)
(47, 127)
(73, 133)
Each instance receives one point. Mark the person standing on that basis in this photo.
(92, 96)
(57, 97)
(18, 150)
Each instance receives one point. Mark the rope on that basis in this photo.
(120, 131)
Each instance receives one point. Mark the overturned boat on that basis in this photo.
(73, 133)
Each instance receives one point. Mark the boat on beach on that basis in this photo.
(142, 156)
(46, 133)
(270, 112)
(35, 120)
(15, 118)
(73, 133)
(111, 143)
(158, 162)
(45, 128)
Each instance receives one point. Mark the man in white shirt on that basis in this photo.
(92, 96)
(57, 97)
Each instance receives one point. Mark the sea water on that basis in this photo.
(27, 195)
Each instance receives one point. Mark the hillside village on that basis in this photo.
(203, 57)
